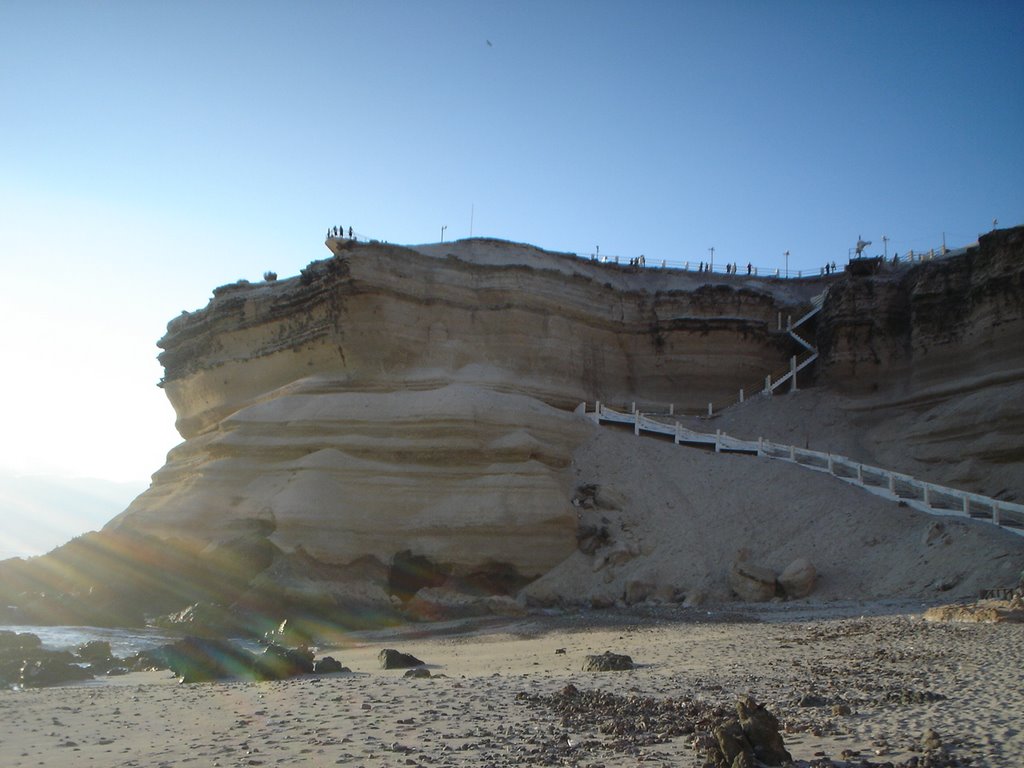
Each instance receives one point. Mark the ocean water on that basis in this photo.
(123, 642)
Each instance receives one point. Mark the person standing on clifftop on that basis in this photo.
(350, 233)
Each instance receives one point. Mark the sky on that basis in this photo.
(150, 152)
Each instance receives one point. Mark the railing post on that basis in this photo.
(831, 467)
(760, 446)
(671, 409)
(892, 483)
(768, 385)
(792, 453)
(997, 516)
(632, 407)
(709, 409)
(636, 423)
(927, 494)
(792, 374)
(677, 435)
(860, 474)
(780, 321)
(718, 441)
(967, 505)
(741, 394)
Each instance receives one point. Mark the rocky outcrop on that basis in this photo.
(415, 406)
(390, 434)
(936, 349)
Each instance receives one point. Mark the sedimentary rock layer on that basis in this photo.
(392, 400)
(936, 354)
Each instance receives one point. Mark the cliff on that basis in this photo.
(930, 362)
(395, 426)
(391, 399)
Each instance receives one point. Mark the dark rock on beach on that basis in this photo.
(51, 670)
(278, 662)
(392, 659)
(328, 665)
(608, 662)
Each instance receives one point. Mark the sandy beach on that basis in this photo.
(849, 682)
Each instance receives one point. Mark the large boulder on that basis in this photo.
(278, 662)
(608, 662)
(51, 669)
(197, 660)
(391, 659)
(761, 728)
(752, 583)
(750, 739)
(798, 579)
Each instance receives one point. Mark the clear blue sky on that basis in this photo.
(152, 151)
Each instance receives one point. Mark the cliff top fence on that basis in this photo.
(748, 269)
(894, 486)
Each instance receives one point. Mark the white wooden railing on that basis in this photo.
(895, 486)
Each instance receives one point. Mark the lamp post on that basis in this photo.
(442, 232)
(786, 254)
(711, 265)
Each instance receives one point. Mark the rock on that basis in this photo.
(638, 591)
(203, 619)
(391, 659)
(607, 662)
(51, 671)
(17, 642)
(732, 742)
(197, 660)
(417, 672)
(761, 728)
(930, 740)
(289, 633)
(95, 651)
(752, 583)
(798, 579)
(278, 662)
(328, 665)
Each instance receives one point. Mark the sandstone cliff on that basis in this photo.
(394, 427)
(929, 361)
(392, 399)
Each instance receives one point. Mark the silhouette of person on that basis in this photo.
(350, 233)
(701, 267)
(748, 267)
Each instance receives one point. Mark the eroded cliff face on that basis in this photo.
(393, 400)
(934, 354)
